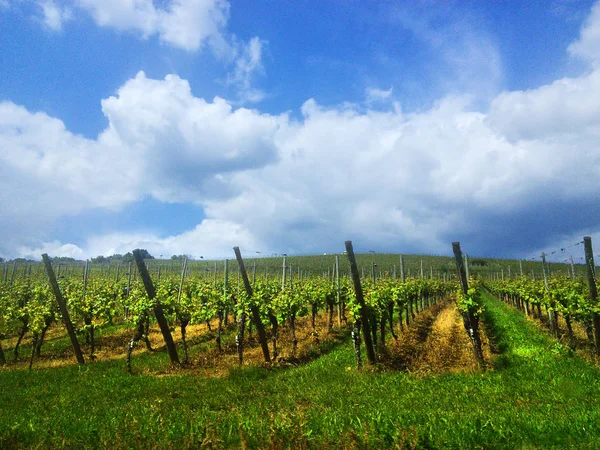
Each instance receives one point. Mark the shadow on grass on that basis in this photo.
(335, 339)
(496, 338)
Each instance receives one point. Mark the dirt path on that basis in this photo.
(436, 343)
(447, 348)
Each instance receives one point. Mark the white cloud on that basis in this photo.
(187, 24)
(54, 248)
(466, 56)
(374, 95)
(561, 108)
(248, 64)
(210, 239)
(54, 16)
(587, 46)
(190, 25)
(188, 146)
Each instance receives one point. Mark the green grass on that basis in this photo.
(538, 397)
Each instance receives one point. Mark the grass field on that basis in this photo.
(536, 395)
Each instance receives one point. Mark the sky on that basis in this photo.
(192, 126)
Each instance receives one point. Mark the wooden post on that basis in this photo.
(63, 309)
(470, 321)
(226, 277)
(283, 275)
(421, 269)
(158, 311)
(402, 269)
(467, 266)
(337, 288)
(573, 264)
(183, 269)
(12, 275)
(366, 329)
(521, 268)
(86, 273)
(591, 277)
(128, 278)
(551, 313)
(255, 312)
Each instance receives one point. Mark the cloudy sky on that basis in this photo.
(191, 126)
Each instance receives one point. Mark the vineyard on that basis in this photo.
(375, 350)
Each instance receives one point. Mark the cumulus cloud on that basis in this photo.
(587, 46)
(54, 248)
(54, 16)
(187, 24)
(188, 145)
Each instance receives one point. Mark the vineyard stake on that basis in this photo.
(63, 309)
(470, 321)
(183, 270)
(337, 289)
(521, 267)
(366, 329)
(158, 311)
(283, 274)
(551, 312)
(591, 277)
(255, 312)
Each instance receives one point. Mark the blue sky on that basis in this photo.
(190, 126)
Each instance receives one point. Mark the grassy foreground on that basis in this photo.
(538, 396)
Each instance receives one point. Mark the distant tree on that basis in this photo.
(115, 257)
(63, 259)
(21, 260)
(178, 257)
(478, 262)
(1, 259)
(99, 259)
